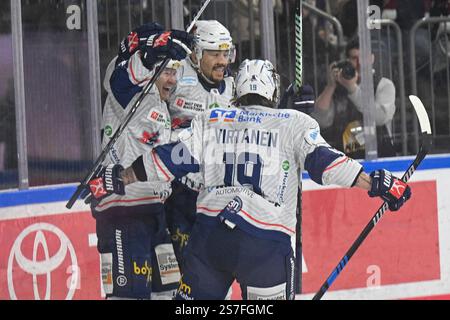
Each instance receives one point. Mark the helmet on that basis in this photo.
(173, 64)
(258, 77)
(212, 35)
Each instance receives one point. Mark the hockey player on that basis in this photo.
(250, 159)
(204, 84)
(113, 112)
(137, 257)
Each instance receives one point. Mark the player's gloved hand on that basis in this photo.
(136, 39)
(389, 188)
(302, 101)
(106, 181)
(173, 44)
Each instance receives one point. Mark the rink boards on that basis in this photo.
(49, 252)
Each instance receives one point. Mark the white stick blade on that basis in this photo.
(424, 121)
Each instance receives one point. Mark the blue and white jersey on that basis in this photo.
(250, 160)
(149, 127)
(190, 98)
(113, 112)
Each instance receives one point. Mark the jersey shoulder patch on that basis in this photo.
(188, 81)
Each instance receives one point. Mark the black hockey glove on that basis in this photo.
(106, 182)
(136, 39)
(173, 44)
(389, 188)
(302, 101)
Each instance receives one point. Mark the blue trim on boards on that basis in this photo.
(36, 196)
(12, 198)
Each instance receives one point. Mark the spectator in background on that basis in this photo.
(339, 110)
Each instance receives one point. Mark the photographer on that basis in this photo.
(339, 110)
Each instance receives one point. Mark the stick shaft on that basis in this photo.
(298, 44)
(373, 222)
(298, 84)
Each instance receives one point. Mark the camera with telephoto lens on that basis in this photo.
(348, 71)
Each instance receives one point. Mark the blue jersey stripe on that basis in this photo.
(167, 153)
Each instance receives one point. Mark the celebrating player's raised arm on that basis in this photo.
(326, 165)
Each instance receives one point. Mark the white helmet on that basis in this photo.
(258, 77)
(212, 35)
(173, 64)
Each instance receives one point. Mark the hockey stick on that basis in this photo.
(424, 148)
(298, 84)
(127, 119)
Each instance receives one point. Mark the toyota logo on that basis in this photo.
(36, 266)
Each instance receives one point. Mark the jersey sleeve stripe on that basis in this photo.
(336, 164)
(207, 209)
(126, 201)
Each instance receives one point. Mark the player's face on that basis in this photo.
(214, 63)
(166, 81)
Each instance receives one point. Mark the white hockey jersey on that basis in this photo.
(251, 160)
(191, 98)
(149, 127)
(113, 112)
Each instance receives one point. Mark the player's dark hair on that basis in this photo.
(253, 99)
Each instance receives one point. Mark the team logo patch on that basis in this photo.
(220, 115)
(234, 206)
